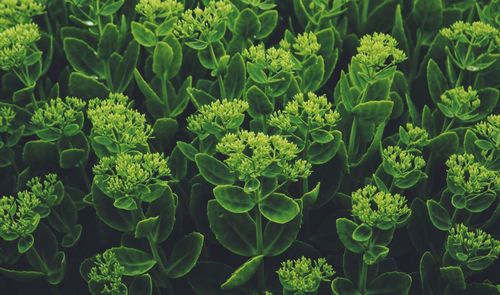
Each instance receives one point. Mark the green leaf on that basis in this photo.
(108, 41)
(122, 74)
(162, 57)
(439, 215)
(134, 261)
(143, 35)
(279, 237)
(111, 8)
(141, 285)
(309, 198)
(454, 276)
(320, 153)
(146, 227)
(362, 233)
(247, 24)
(84, 86)
(38, 153)
(279, 208)
(480, 202)
(82, 57)
(444, 144)
(345, 230)
(185, 255)
(117, 219)
(259, 103)
(233, 198)
(243, 274)
(213, 170)
(313, 75)
(24, 244)
(375, 112)
(236, 232)
(235, 78)
(428, 14)
(24, 275)
(390, 283)
(436, 81)
(375, 254)
(268, 21)
(187, 150)
(343, 286)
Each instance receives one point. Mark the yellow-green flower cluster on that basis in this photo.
(304, 276)
(476, 34)
(44, 190)
(58, 113)
(309, 109)
(467, 176)
(273, 59)
(380, 209)
(128, 174)
(253, 155)
(112, 118)
(159, 9)
(398, 162)
(459, 103)
(197, 22)
(7, 115)
(13, 12)
(223, 115)
(306, 44)
(464, 244)
(18, 217)
(16, 43)
(108, 272)
(379, 51)
(490, 129)
(414, 136)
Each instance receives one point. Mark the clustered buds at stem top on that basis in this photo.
(60, 116)
(379, 209)
(49, 191)
(273, 59)
(7, 115)
(130, 178)
(253, 155)
(413, 136)
(159, 9)
(18, 216)
(490, 130)
(459, 103)
(200, 24)
(113, 121)
(303, 276)
(468, 177)
(475, 249)
(309, 111)
(399, 162)
(106, 275)
(13, 12)
(16, 44)
(218, 117)
(379, 51)
(306, 44)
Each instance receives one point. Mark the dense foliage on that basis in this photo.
(345, 147)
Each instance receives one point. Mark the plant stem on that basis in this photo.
(352, 138)
(362, 277)
(152, 244)
(260, 245)
(219, 77)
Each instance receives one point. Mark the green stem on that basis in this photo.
(152, 244)
(460, 78)
(219, 77)
(164, 94)
(454, 216)
(107, 72)
(363, 277)
(352, 138)
(260, 245)
(38, 259)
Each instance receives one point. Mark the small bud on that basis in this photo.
(304, 276)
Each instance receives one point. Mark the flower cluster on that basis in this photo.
(200, 23)
(113, 119)
(218, 117)
(459, 103)
(309, 110)
(253, 155)
(466, 176)
(272, 59)
(465, 245)
(379, 51)
(132, 175)
(475, 34)
(13, 12)
(7, 115)
(303, 276)
(306, 44)
(108, 272)
(48, 191)
(16, 43)
(18, 216)
(490, 129)
(56, 114)
(159, 9)
(399, 162)
(413, 136)
(379, 209)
